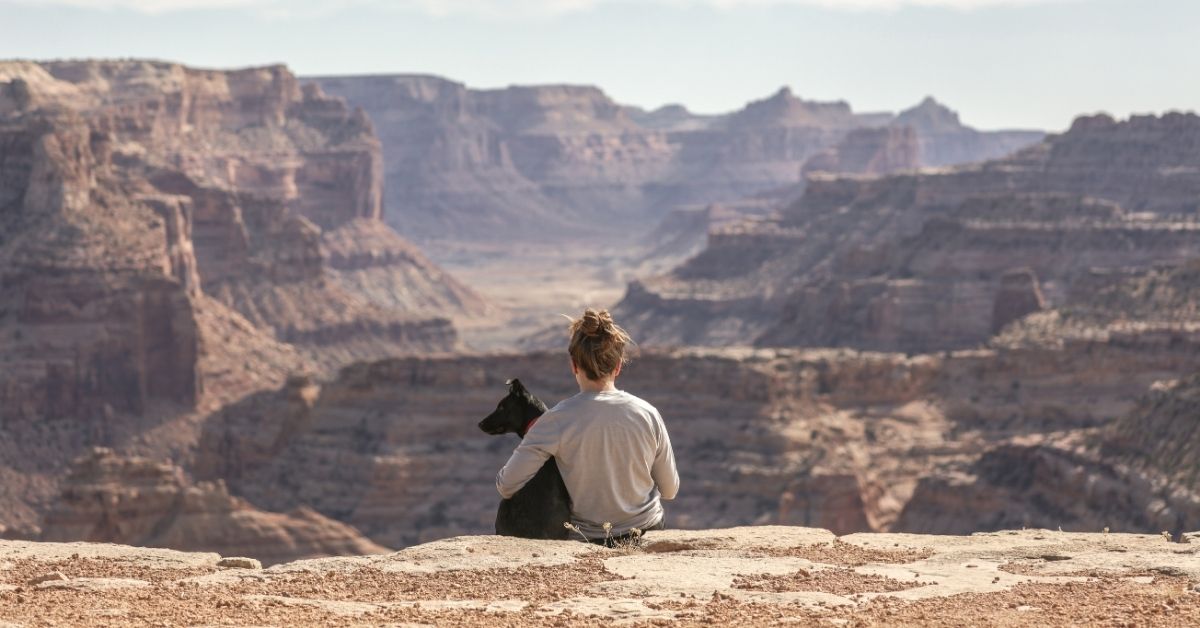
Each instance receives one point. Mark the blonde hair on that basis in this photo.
(597, 344)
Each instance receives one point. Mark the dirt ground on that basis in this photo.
(693, 578)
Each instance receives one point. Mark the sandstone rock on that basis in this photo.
(897, 579)
(870, 151)
(137, 501)
(238, 562)
(176, 238)
(918, 262)
(94, 585)
(852, 441)
(944, 141)
(56, 575)
(474, 163)
(1158, 434)
(1020, 294)
(149, 557)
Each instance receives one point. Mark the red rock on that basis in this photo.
(135, 501)
(468, 164)
(860, 441)
(917, 262)
(175, 239)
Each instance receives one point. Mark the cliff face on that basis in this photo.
(936, 260)
(98, 285)
(173, 183)
(870, 151)
(945, 141)
(1136, 473)
(172, 239)
(134, 501)
(850, 441)
(1160, 434)
(566, 158)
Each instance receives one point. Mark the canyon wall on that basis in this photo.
(464, 163)
(928, 261)
(837, 438)
(107, 498)
(197, 266)
(172, 239)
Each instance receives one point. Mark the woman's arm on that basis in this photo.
(539, 444)
(665, 475)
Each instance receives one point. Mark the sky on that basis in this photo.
(1000, 63)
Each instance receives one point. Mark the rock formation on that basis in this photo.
(135, 501)
(945, 141)
(160, 185)
(465, 164)
(845, 440)
(1137, 473)
(870, 151)
(189, 256)
(938, 260)
(172, 239)
(761, 576)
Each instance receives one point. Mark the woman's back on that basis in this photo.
(612, 449)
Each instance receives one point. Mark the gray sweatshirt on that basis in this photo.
(614, 454)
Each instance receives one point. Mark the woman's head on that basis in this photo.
(597, 345)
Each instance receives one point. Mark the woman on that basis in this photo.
(611, 447)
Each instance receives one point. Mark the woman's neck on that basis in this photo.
(592, 386)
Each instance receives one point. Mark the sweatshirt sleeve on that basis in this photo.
(539, 444)
(665, 475)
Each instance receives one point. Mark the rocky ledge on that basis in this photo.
(768, 575)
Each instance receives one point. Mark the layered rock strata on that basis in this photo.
(172, 239)
(568, 160)
(870, 151)
(138, 188)
(939, 260)
(845, 440)
(135, 501)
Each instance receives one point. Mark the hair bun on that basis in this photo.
(595, 324)
(597, 344)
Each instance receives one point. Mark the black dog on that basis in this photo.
(540, 508)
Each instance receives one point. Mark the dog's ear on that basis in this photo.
(515, 386)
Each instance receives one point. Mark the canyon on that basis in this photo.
(943, 259)
(562, 188)
(569, 161)
(845, 440)
(173, 239)
(131, 500)
(214, 337)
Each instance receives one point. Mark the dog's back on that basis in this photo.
(539, 509)
(542, 506)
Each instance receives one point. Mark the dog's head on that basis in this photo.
(514, 412)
